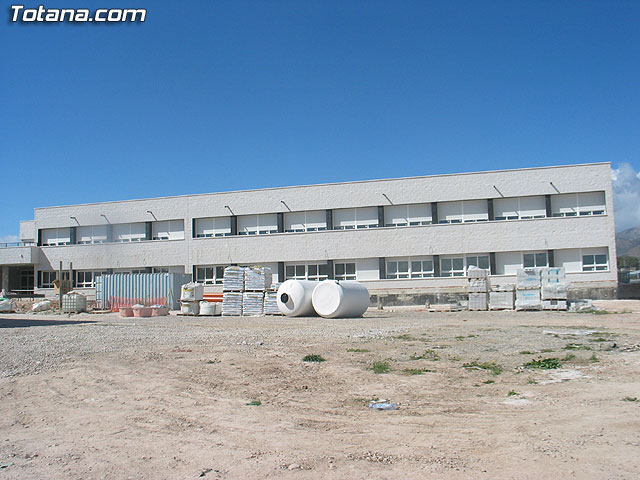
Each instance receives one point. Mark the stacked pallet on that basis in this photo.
(252, 304)
(244, 290)
(270, 300)
(232, 304)
(257, 279)
(528, 289)
(233, 279)
(478, 288)
(554, 288)
(501, 297)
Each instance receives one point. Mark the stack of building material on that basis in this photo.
(528, 289)
(478, 288)
(233, 279)
(270, 300)
(257, 279)
(232, 286)
(252, 304)
(501, 297)
(232, 304)
(554, 288)
(74, 302)
(190, 297)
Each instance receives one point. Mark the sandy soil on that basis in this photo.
(168, 398)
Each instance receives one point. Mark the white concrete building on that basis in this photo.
(405, 235)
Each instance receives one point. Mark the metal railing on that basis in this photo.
(17, 244)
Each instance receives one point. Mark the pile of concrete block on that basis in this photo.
(554, 288)
(528, 289)
(478, 288)
(501, 297)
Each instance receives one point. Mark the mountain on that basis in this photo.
(628, 242)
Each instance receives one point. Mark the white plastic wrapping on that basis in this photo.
(192, 292)
(294, 298)
(333, 299)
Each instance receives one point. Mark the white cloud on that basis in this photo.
(626, 196)
(9, 239)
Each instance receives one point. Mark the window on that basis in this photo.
(312, 271)
(210, 275)
(578, 204)
(480, 261)
(591, 263)
(351, 218)
(452, 267)
(129, 232)
(519, 208)
(311, 221)
(415, 267)
(168, 230)
(87, 279)
(91, 234)
(404, 215)
(530, 260)
(532, 207)
(591, 203)
(344, 271)
(213, 227)
(160, 270)
(258, 224)
(56, 236)
(463, 211)
(47, 278)
(421, 268)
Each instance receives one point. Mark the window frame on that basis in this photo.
(216, 277)
(345, 275)
(595, 266)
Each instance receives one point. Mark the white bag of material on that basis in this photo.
(41, 306)
(6, 305)
(192, 292)
(347, 299)
(210, 308)
(189, 308)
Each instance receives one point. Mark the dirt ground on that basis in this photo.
(98, 396)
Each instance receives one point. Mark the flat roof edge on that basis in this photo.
(324, 184)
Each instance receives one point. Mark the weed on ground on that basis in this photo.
(492, 367)
(544, 363)
(313, 358)
(380, 367)
(426, 355)
(416, 371)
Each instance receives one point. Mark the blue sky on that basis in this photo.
(225, 95)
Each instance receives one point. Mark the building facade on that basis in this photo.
(414, 235)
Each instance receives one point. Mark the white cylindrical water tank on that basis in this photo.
(294, 298)
(333, 299)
